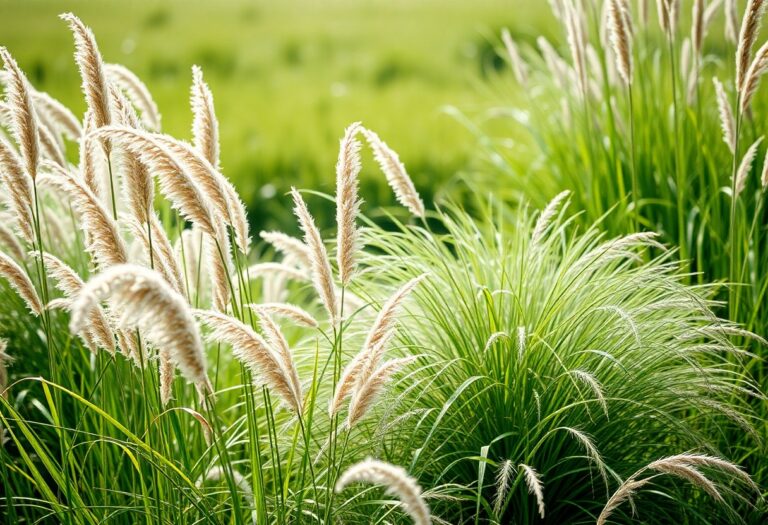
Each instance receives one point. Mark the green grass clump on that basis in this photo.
(651, 154)
(569, 352)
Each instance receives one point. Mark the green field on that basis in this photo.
(288, 77)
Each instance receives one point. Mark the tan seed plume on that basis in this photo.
(364, 394)
(289, 246)
(59, 117)
(535, 486)
(503, 477)
(347, 202)
(91, 67)
(755, 72)
(621, 39)
(20, 282)
(750, 27)
(277, 341)
(519, 67)
(23, 118)
(697, 27)
(731, 21)
(289, 311)
(727, 122)
(396, 480)
(137, 92)
(746, 166)
(9, 240)
(105, 243)
(254, 352)
(141, 299)
(395, 173)
(321, 268)
(205, 126)
(17, 185)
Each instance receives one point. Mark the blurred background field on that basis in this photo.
(288, 77)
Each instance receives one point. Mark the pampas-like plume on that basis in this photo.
(9, 240)
(621, 39)
(321, 267)
(727, 122)
(750, 27)
(544, 220)
(57, 115)
(17, 185)
(49, 146)
(503, 478)
(362, 366)
(250, 348)
(91, 67)
(184, 193)
(756, 70)
(535, 486)
(395, 173)
(745, 166)
(137, 92)
(20, 282)
(764, 173)
(365, 393)
(70, 284)
(23, 118)
(519, 67)
(662, 6)
(683, 466)
(697, 27)
(289, 246)
(141, 299)
(290, 311)
(347, 202)
(103, 237)
(731, 21)
(576, 42)
(397, 481)
(205, 127)
(277, 341)
(166, 372)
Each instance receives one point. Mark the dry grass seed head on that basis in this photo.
(20, 282)
(347, 202)
(24, 125)
(137, 92)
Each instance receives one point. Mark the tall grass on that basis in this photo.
(566, 364)
(675, 147)
(559, 363)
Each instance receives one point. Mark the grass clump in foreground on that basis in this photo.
(587, 371)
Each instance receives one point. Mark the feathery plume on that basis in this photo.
(250, 348)
(24, 124)
(397, 481)
(535, 486)
(141, 299)
(347, 202)
(49, 146)
(755, 72)
(727, 122)
(544, 220)
(20, 282)
(697, 27)
(289, 246)
(365, 393)
(185, 194)
(277, 341)
(745, 167)
(205, 127)
(360, 369)
(621, 39)
(103, 237)
(91, 67)
(503, 477)
(137, 92)
(58, 116)
(731, 21)
(18, 188)
(750, 27)
(9, 240)
(622, 494)
(70, 284)
(519, 67)
(321, 268)
(575, 36)
(166, 372)
(764, 174)
(662, 6)
(395, 173)
(290, 311)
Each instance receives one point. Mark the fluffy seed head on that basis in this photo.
(397, 481)
(20, 282)
(24, 123)
(750, 27)
(745, 167)
(535, 486)
(347, 202)
(137, 92)
(727, 122)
